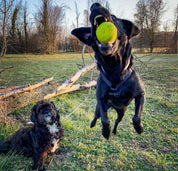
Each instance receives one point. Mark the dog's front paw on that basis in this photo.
(93, 123)
(114, 131)
(106, 130)
(139, 128)
(138, 125)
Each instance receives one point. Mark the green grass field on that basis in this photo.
(84, 148)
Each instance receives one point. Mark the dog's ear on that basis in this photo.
(53, 105)
(83, 34)
(34, 118)
(131, 29)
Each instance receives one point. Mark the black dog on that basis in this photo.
(118, 82)
(39, 140)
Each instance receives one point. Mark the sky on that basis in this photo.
(121, 8)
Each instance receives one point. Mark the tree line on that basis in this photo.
(148, 17)
(48, 33)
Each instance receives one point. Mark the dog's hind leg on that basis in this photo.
(39, 160)
(120, 114)
(139, 103)
(97, 115)
(5, 146)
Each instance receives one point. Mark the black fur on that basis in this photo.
(37, 141)
(118, 82)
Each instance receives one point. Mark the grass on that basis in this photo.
(84, 148)
(34, 68)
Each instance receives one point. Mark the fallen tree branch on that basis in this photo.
(4, 89)
(75, 77)
(13, 100)
(72, 88)
(5, 69)
(29, 88)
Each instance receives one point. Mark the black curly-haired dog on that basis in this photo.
(118, 82)
(40, 139)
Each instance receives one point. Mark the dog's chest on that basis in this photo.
(53, 129)
(120, 98)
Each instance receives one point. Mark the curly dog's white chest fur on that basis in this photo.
(53, 129)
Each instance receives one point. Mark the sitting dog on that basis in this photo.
(118, 82)
(39, 140)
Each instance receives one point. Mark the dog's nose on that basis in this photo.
(95, 6)
(47, 114)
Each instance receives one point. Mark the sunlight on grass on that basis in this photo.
(84, 148)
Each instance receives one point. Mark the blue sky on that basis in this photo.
(122, 9)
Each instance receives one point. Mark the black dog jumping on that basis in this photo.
(39, 140)
(118, 82)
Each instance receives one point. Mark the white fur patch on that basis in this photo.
(48, 119)
(55, 145)
(53, 128)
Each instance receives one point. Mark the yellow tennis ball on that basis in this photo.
(106, 32)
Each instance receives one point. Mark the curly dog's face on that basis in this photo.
(44, 112)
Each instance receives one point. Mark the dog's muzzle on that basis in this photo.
(48, 117)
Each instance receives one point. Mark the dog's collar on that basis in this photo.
(122, 80)
(104, 69)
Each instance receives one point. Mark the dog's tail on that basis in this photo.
(5, 146)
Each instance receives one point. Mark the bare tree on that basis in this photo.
(148, 17)
(45, 23)
(87, 14)
(5, 6)
(56, 16)
(42, 19)
(13, 26)
(77, 14)
(25, 24)
(176, 29)
(49, 19)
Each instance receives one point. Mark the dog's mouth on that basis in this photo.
(99, 19)
(105, 49)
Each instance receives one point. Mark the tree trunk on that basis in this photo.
(4, 44)
(25, 27)
(46, 26)
(176, 34)
(4, 10)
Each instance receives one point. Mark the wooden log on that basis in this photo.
(75, 77)
(12, 101)
(29, 88)
(5, 69)
(5, 90)
(72, 88)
